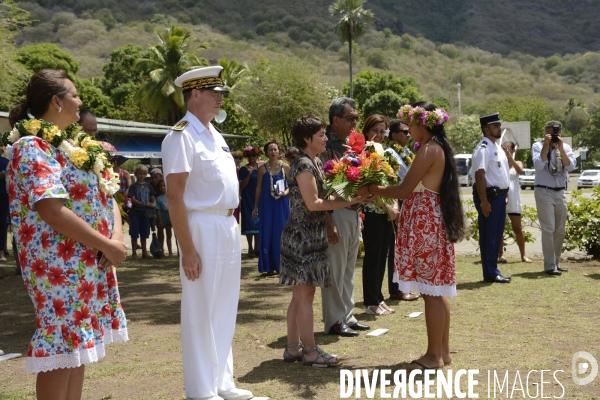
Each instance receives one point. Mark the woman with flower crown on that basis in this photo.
(60, 187)
(431, 221)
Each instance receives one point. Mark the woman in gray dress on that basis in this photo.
(304, 242)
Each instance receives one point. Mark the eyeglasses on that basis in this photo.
(217, 95)
(350, 118)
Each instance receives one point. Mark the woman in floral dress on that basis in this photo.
(62, 210)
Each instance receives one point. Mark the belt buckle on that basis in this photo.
(230, 212)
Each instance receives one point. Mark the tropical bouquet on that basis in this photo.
(363, 163)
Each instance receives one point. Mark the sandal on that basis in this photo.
(326, 359)
(289, 357)
(369, 310)
(386, 307)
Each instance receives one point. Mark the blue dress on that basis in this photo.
(249, 224)
(273, 214)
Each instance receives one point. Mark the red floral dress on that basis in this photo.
(424, 255)
(77, 304)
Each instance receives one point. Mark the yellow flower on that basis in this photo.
(87, 142)
(79, 157)
(374, 156)
(50, 134)
(33, 126)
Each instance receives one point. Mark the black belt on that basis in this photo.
(491, 191)
(556, 189)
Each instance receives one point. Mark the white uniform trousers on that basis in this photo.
(209, 306)
(338, 299)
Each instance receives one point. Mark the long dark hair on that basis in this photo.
(452, 211)
(41, 87)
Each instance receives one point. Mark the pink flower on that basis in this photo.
(328, 166)
(353, 174)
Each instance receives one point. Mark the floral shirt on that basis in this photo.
(77, 304)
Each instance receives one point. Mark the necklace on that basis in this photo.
(85, 152)
(275, 196)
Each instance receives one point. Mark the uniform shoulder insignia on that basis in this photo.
(180, 125)
(484, 145)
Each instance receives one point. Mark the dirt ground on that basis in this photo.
(536, 322)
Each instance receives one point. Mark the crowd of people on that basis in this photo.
(70, 234)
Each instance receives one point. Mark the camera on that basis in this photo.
(554, 134)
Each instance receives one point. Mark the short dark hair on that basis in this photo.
(395, 125)
(83, 113)
(41, 87)
(337, 107)
(304, 128)
(266, 147)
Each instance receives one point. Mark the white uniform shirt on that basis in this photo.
(491, 158)
(212, 182)
(403, 167)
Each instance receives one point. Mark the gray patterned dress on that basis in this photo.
(304, 238)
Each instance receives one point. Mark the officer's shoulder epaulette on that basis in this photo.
(484, 145)
(180, 125)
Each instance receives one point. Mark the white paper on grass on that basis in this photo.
(260, 398)
(377, 332)
(415, 314)
(9, 356)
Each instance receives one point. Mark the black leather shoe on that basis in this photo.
(360, 327)
(563, 269)
(553, 272)
(499, 279)
(506, 277)
(342, 330)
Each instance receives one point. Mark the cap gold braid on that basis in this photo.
(202, 83)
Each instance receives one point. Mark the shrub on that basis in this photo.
(378, 59)
(583, 223)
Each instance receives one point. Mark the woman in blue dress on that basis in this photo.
(273, 207)
(248, 183)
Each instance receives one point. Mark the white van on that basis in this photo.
(463, 167)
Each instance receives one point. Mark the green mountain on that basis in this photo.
(536, 27)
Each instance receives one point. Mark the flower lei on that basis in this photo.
(251, 151)
(83, 150)
(418, 115)
(559, 164)
(406, 155)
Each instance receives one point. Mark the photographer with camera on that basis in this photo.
(552, 160)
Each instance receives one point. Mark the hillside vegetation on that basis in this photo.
(486, 77)
(537, 27)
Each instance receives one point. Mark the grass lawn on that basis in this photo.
(536, 322)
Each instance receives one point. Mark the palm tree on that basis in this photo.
(352, 25)
(172, 56)
(233, 72)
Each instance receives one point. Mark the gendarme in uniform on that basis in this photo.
(209, 196)
(489, 157)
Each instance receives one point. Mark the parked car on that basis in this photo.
(526, 178)
(589, 178)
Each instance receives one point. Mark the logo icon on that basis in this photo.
(580, 367)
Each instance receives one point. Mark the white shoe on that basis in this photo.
(236, 394)
(206, 398)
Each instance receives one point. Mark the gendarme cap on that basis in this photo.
(202, 78)
(490, 119)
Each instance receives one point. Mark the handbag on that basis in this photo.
(156, 248)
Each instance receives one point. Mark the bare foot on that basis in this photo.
(134, 256)
(387, 308)
(424, 363)
(376, 310)
(525, 259)
(446, 359)
(146, 256)
(502, 260)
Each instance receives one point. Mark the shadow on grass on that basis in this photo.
(533, 275)
(593, 276)
(472, 285)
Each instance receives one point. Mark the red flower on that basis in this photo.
(29, 350)
(66, 250)
(41, 353)
(356, 141)
(41, 170)
(89, 257)
(103, 228)
(61, 159)
(95, 323)
(75, 340)
(89, 344)
(353, 174)
(56, 276)
(111, 280)
(42, 145)
(116, 323)
(80, 315)
(40, 298)
(105, 310)
(78, 191)
(86, 291)
(26, 233)
(100, 291)
(40, 190)
(12, 193)
(45, 240)
(24, 199)
(49, 330)
(59, 308)
(39, 267)
(23, 259)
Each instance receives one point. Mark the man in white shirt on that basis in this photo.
(202, 192)
(491, 176)
(552, 160)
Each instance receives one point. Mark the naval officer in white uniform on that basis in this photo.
(202, 192)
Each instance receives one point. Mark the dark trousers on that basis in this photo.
(4, 214)
(491, 230)
(393, 287)
(376, 238)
